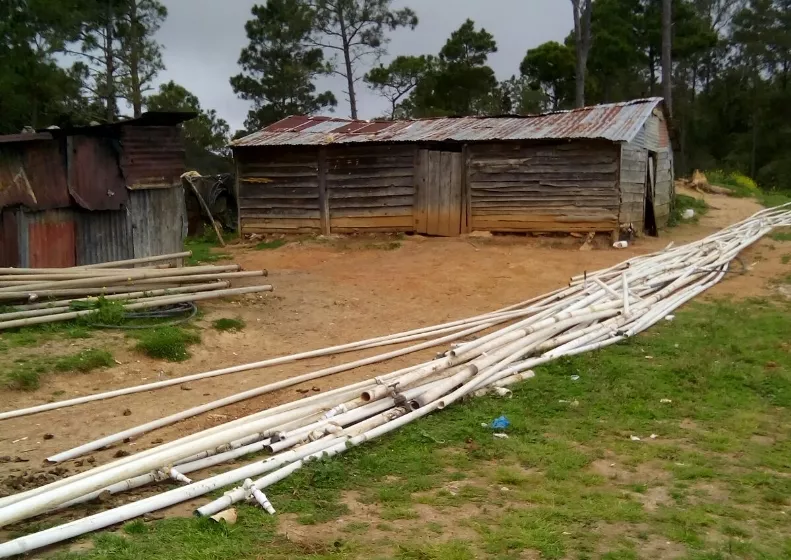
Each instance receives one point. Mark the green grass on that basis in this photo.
(203, 248)
(25, 373)
(683, 203)
(569, 482)
(269, 245)
(781, 235)
(166, 343)
(226, 324)
(742, 186)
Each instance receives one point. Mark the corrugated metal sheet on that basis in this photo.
(152, 156)
(47, 238)
(33, 174)
(9, 239)
(103, 236)
(95, 179)
(617, 122)
(158, 220)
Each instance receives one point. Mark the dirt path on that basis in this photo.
(326, 293)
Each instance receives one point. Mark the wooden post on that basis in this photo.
(324, 206)
(466, 222)
(237, 188)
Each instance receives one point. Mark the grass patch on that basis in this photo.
(684, 203)
(203, 248)
(782, 235)
(166, 343)
(270, 245)
(569, 482)
(25, 374)
(226, 324)
(739, 184)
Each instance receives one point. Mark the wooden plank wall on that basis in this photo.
(278, 190)
(564, 186)
(371, 188)
(658, 140)
(634, 168)
(663, 196)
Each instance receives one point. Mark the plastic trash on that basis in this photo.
(500, 423)
(500, 436)
(635, 438)
(575, 377)
(621, 244)
(665, 401)
(688, 214)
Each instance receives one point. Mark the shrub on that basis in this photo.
(166, 343)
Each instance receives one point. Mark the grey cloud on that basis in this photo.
(202, 40)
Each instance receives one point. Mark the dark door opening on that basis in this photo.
(649, 220)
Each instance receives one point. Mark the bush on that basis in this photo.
(166, 343)
(740, 184)
(223, 325)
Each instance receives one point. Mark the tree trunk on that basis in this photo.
(109, 63)
(667, 62)
(347, 60)
(582, 36)
(134, 61)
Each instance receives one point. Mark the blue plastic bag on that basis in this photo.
(500, 423)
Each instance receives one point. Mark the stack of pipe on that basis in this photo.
(32, 296)
(596, 310)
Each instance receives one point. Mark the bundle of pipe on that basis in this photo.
(596, 310)
(52, 294)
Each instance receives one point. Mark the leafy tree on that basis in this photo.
(550, 69)
(520, 98)
(355, 31)
(139, 55)
(278, 69)
(401, 76)
(460, 83)
(34, 90)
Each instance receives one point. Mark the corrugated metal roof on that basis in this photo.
(617, 122)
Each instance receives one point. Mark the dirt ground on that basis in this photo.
(326, 293)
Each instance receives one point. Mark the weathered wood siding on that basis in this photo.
(658, 138)
(634, 169)
(439, 200)
(370, 188)
(565, 186)
(278, 190)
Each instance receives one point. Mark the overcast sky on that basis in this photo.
(202, 40)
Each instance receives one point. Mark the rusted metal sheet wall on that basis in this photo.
(634, 169)
(152, 156)
(371, 188)
(279, 190)
(568, 186)
(47, 238)
(33, 174)
(95, 179)
(158, 221)
(9, 238)
(103, 236)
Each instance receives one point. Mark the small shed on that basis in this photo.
(71, 197)
(596, 169)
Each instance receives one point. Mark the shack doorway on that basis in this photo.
(438, 198)
(649, 225)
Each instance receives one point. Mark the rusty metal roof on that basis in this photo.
(617, 122)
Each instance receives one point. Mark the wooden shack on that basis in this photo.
(596, 169)
(92, 194)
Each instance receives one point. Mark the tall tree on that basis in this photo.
(667, 60)
(354, 30)
(139, 55)
(34, 89)
(277, 68)
(583, 13)
(549, 68)
(206, 137)
(461, 82)
(401, 76)
(207, 130)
